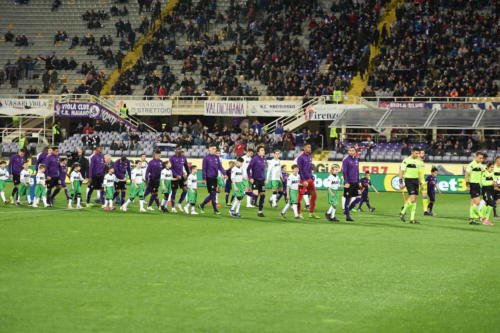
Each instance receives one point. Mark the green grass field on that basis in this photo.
(97, 271)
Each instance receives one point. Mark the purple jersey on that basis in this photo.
(178, 164)
(16, 164)
(431, 184)
(211, 166)
(350, 169)
(41, 159)
(365, 184)
(96, 165)
(153, 171)
(305, 166)
(53, 166)
(122, 169)
(257, 168)
(284, 178)
(63, 171)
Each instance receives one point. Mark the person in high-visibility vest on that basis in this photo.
(337, 96)
(124, 112)
(56, 132)
(22, 142)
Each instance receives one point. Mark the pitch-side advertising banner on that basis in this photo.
(328, 112)
(27, 106)
(89, 110)
(272, 108)
(225, 108)
(147, 108)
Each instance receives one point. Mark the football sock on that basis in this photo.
(2, 194)
(141, 204)
(330, 210)
(44, 200)
(413, 210)
(431, 206)
(332, 214)
(405, 207)
(425, 204)
(249, 198)
(227, 198)
(261, 202)
(78, 201)
(295, 210)
(368, 204)
(306, 199)
(283, 211)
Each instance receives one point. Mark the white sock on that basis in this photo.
(78, 201)
(249, 200)
(36, 201)
(44, 199)
(126, 203)
(329, 210)
(273, 199)
(2, 194)
(110, 202)
(141, 204)
(98, 194)
(217, 198)
(169, 196)
(343, 202)
(87, 191)
(238, 205)
(287, 206)
(332, 214)
(28, 198)
(69, 202)
(306, 199)
(163, 203)
(193, 209)
(295, 209)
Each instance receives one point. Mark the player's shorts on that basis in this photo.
(475, 190)
(178, 183)
(192, 197)
(2, 185)
(211, 185)
(276, 184)
(432, 196)
(23, 190)
(166, 186)
(259, 185)
(220, 182)
(40, 191)
(241, 190)
(412, 185)
(294, 197)
(76, 188)
(137, 191)
(62, 182)
(247, 184)
(120, 185)
(154, 185)
(16, 179)
(110, 192)
(353, 190)
(53, 182)
(488, 194)
(96, 182)
(333, 200)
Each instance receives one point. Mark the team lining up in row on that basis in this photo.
(247, 176)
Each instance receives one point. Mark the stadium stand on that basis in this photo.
(74, 30)
(439, 48)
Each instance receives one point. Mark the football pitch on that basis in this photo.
(97, 271)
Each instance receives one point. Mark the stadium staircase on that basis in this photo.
(295, 118)
(133, 56)
(359, 83)
(40, 24)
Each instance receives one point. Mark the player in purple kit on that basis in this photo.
(16, 166)
(53, 174)
(122, 169)
(284, 179)
(153, 175)
(229, 184)
(210, 170)
(63, 172)
(40, 159)
(350, 171)
(366, 184)
(179, 165)
(96, 173)
(256, 172)
(431, 190)
(304, 162)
